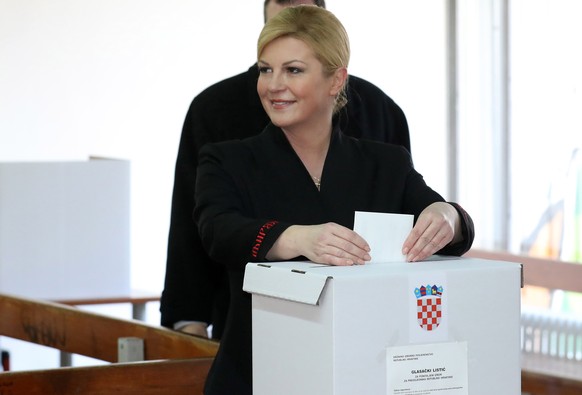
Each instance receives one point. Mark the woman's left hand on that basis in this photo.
(437, 225)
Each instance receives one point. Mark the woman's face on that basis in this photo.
(292, 86)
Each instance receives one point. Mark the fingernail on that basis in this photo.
(405, 250)
(367, 257)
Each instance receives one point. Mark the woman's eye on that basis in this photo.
(294, 70)
(264, 70)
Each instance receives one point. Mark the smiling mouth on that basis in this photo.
(281, 103)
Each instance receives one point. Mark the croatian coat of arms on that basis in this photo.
(428, 306)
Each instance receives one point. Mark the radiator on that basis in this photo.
(549, 334)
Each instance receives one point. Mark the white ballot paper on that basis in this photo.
(385, 233)
(438, 368)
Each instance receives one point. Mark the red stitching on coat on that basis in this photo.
(261, 236)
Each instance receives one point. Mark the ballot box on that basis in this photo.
(443, 326)
(64, 229)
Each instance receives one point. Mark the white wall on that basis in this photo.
(115, 78)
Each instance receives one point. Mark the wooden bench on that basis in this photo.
(540, 272)
(137, 299)
(176, 377)
(179, 362)
(90, 334)
(546, 384)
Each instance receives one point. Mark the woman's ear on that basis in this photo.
(339, 80)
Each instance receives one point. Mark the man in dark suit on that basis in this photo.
(196, 290)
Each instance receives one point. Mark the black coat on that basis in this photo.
(248, 192)
(195, 287)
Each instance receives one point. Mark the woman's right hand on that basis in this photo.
(329, 243)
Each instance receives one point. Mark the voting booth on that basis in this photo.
(444, 326)
(64, 229)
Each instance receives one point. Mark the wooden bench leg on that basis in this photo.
(66, 359)
(5, 361)
(138, 311)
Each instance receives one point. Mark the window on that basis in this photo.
(546, 134)
(520, 128)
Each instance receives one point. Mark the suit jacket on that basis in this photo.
(196, 289)
(248, 192)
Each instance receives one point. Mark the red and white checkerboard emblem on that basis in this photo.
(429, 312)
(428, 306)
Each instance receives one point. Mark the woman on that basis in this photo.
(292, 191)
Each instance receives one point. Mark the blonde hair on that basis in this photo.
(320, 30)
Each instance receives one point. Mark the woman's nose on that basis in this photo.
(276, 82)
